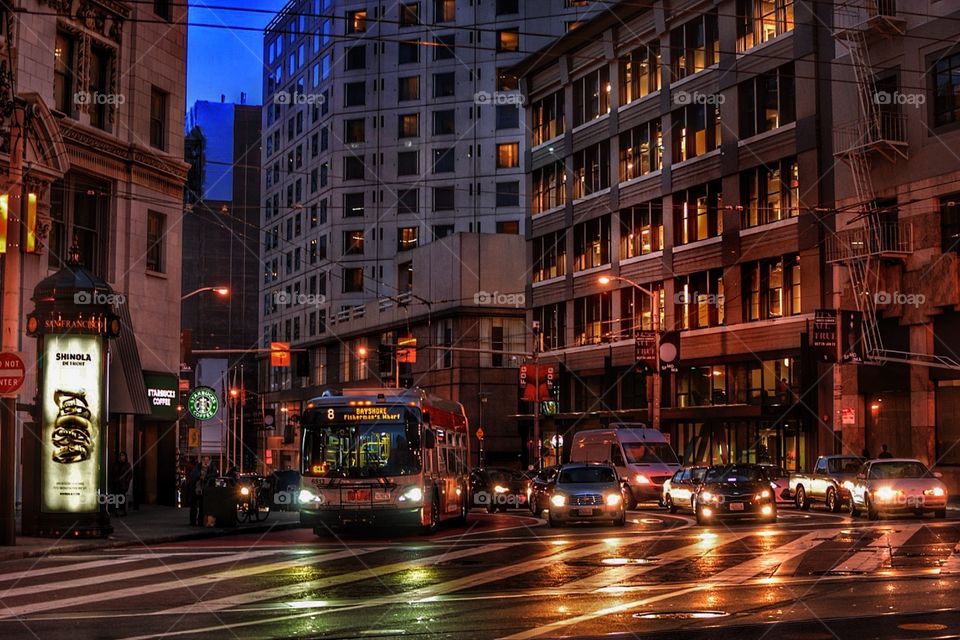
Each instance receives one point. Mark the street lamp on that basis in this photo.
(223, 292)
(655, 380)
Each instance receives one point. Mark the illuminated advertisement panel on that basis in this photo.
(72, 413)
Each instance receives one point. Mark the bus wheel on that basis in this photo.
(434, 517)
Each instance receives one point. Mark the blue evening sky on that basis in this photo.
(227, 61)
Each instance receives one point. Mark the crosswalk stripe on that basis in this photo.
(872, 556)
(952, 565)
(175, 583)
(768, 561)
(292, 591)
(65, 568)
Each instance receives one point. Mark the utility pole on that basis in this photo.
(538, 456)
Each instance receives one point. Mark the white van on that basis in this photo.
(642, 456)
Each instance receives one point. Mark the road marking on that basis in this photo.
(186, 583)
(952, 565)
(872, 556)
(73, 566)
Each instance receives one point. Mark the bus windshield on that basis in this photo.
(362, 449)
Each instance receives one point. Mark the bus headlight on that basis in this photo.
(500, 489)
(244, 491)
(307, 496)
(413, 494)
(558, 500)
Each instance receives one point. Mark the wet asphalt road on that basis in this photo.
(813, 575)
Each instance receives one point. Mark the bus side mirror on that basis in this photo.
(429, 439)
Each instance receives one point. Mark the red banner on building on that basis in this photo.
(537, 381)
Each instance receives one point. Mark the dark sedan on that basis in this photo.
(735, 491)
(498, 489)
(538, 490)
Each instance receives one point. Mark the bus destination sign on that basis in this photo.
(363, 414)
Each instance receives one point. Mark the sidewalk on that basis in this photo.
(150, 525)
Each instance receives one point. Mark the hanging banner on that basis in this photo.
(645, 351)
(72, 418)
(536, 381)
(824, 342)
(851, 333)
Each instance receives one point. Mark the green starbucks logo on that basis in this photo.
(202, 403)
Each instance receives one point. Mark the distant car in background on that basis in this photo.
(897, 485)
(586, 492)
(496, 489)
(538, 490)
(678, 490)
(829, 482)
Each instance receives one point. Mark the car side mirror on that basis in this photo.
(937, 474)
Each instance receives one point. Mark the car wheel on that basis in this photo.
(434, 517)
(534, 509)
(491, 508)
(833, 505)
(621, 520)
(872, 513)
(631, 502)
(672, 507)
(554, 522)
(803, 502)
(854, 512)
(940, 513)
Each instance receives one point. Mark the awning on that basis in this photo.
(128, 393)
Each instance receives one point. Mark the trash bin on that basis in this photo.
(220, 503)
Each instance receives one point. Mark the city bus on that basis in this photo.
(383, 457)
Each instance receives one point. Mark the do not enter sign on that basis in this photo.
(11, 374)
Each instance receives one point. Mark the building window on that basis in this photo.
(591, 169)
(354, 130)
(641, 150)
(639, 73)
(408, 201)
(444, 10)
(549, 256)
(508, 155)
(699, 299)
(547, 118)
(508, 40)
(641, 229)
(444, 160)
(636, 308)
(356, 57)
(552, 319)
(511, 227)
(408, 125)
(407, 238)
(162, 9)
(507, 7)
(444, 198)
(158, 118)
(353, 280)
(353, 168)
(355, 94)
(950, 223)
(591, 319)
(696, 131)
(507, 195)
(507, 116)
(772, 288)
(549, 187)
(408, 88)
(101, 64)
(353, 242)
(353, 205)
(442, 231)
(443, 47)
(698, 213)
(591, 243)
(408, 52)
(444, 85)
(357, 21)
(591, 96)
(445, 339)
(946, 90)
(761, 20)
(770, 193)
(156, 247)
(444, 122)
(79, 209)
(767, 101)
(64, 73)
(408, 163)
(410, 14)
(499, 335)
(694, 46)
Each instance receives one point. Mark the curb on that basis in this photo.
(15, 554)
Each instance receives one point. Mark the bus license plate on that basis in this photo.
(381, 496)
(357, 495)
(736, 506)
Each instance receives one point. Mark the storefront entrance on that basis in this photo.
(783, 443)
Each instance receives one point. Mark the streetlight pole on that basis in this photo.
(654, 382)
(220, 291)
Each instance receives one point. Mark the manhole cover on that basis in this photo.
(680, 615)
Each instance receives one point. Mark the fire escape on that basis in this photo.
(873, 237)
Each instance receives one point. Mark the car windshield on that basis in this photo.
(649, 453)
(893, 470)
(844, 465)
(734, 474)
(587, 475)
(504, 475)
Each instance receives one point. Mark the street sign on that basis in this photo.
(407, 350)
(645, 351)
(824, 342)
(12, 371)
(479, 433)
(203, 403)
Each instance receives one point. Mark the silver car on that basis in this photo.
(897, 485)
(586, 492)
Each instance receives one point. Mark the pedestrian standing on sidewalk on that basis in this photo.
(120, 477)
(206, 478)
(884, 454)
(188, 490)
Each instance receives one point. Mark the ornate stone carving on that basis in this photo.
(60, 6)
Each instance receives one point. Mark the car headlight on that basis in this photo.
(936, 491)
(706, 496)
(500, 489)
(848, 485)
(558, 500)
(887, 493)
(762, 495)
(641, 479)
(413, 494)
(244, 491)
(613, 499)
(309, 496)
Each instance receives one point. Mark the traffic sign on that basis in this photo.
(11, 374)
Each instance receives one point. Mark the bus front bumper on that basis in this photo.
(334, 517)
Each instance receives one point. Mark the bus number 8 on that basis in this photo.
(331, 414)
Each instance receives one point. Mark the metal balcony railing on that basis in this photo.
(868, 15)
(885, 240)
(889, 131)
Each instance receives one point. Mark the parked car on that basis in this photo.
(498, 489)
(897, 485)
(586, 492)
(827, 483)
(678, 491)
(779, 479)
(734, 491)
(538, 491)
(643, 457)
